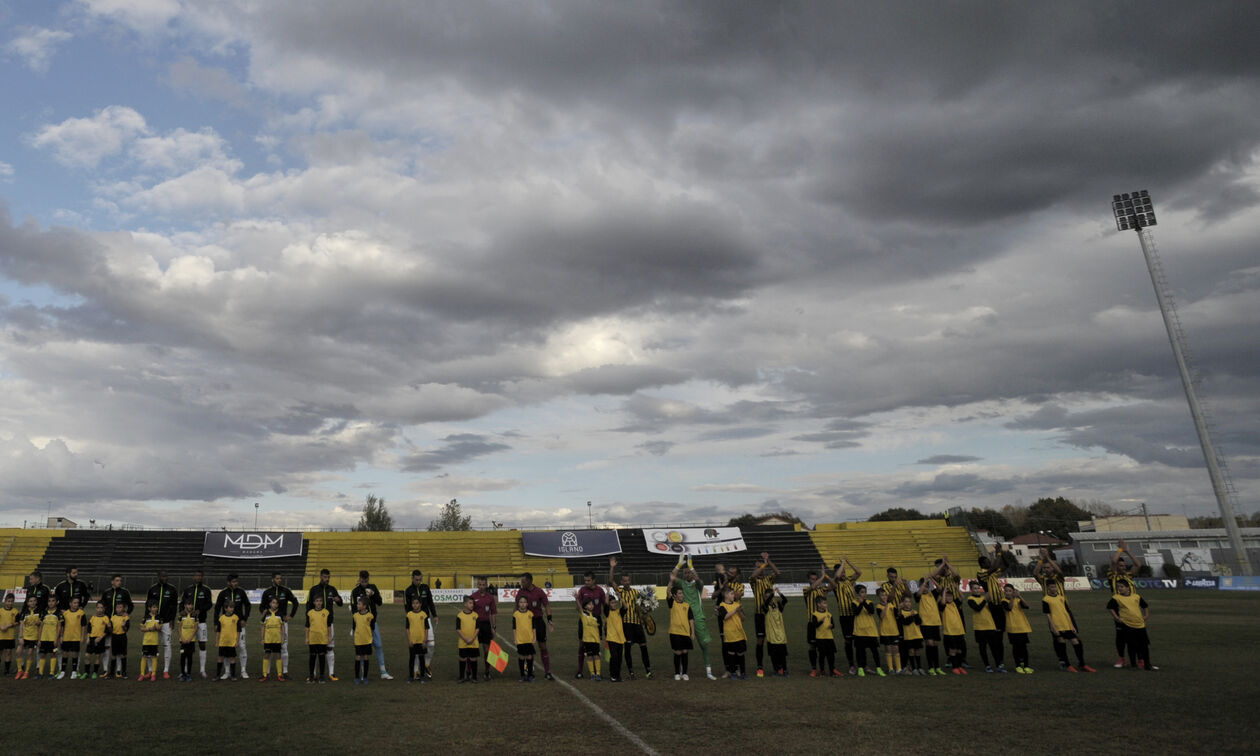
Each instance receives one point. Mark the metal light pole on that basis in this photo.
(255, 515)
(589, 524)
(1135, 212)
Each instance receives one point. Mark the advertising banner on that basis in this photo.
(1142, 583)
(570, 544)
(1204, 583)
(1239, 583)
(244, 545)
(694, 541)
(1192, 560)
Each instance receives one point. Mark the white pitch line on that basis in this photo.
(618, 726)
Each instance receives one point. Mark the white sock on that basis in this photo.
(202, 652)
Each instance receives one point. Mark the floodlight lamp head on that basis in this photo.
(1133, 211)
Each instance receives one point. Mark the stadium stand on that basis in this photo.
(909, 545)
(138, 555)
(456, 558)
(453, 557)
(20, 553)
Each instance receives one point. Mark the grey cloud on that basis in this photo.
(458, 448)
(947, 459)
(623, 379)
(656, 448)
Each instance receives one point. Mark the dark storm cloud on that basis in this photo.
(1147, 432)
(947, 459)
(458, 448)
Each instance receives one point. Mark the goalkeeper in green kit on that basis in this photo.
(693, 589)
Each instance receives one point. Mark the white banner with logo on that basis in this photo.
(694, 541)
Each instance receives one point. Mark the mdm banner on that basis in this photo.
(235, 545)
(571, 544)
(694, 541)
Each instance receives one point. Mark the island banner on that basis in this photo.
(571, 544)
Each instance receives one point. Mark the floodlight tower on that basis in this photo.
(1135, 212)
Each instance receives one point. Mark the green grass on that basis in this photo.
(1201, 701)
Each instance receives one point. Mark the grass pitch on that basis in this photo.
(1202, 700)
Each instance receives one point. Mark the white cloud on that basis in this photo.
(6, 171)
(36, 46)
(84, 142)
(144, 15)
(179, 150)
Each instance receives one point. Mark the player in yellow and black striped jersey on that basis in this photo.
(947, 576)
(632, 619)
(842, 582)
(762, 580)
(818, 587)
(990, 573)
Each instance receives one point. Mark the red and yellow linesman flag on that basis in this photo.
(497, 657)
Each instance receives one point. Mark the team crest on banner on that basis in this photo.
(571, 544)
(236, 545)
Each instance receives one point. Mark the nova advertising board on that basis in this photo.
(227, 544)
(693, 541)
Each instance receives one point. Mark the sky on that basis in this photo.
(682, 261)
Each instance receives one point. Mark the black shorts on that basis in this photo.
(485, 633)
(1067, 635)
(590, 649)
(70, 647)
(826, 645)
(931, 632)
(955, 641)
(846, 626)
(913, 645)
(680, 642)
(7, 644)
(30, 643)
(47, 647)
(469, 653)
(186, 647)
(525, 649)
(889, 640)
(1017, 639)
(419, 649)
(540, 629)
(227, 652)
(148, 650)
(319, 649)
(272, 648)
(635, 634)
(759, 625)
(118, 645)
(96, 645)
(866, 642)
(735, 647)
(809, 634)
(988, 636)
(363, 649)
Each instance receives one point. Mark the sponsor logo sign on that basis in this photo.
(245, 545)
(1208, 583)
(1240, 583)
(694, 541)
(570, 544)
(1141, 583)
